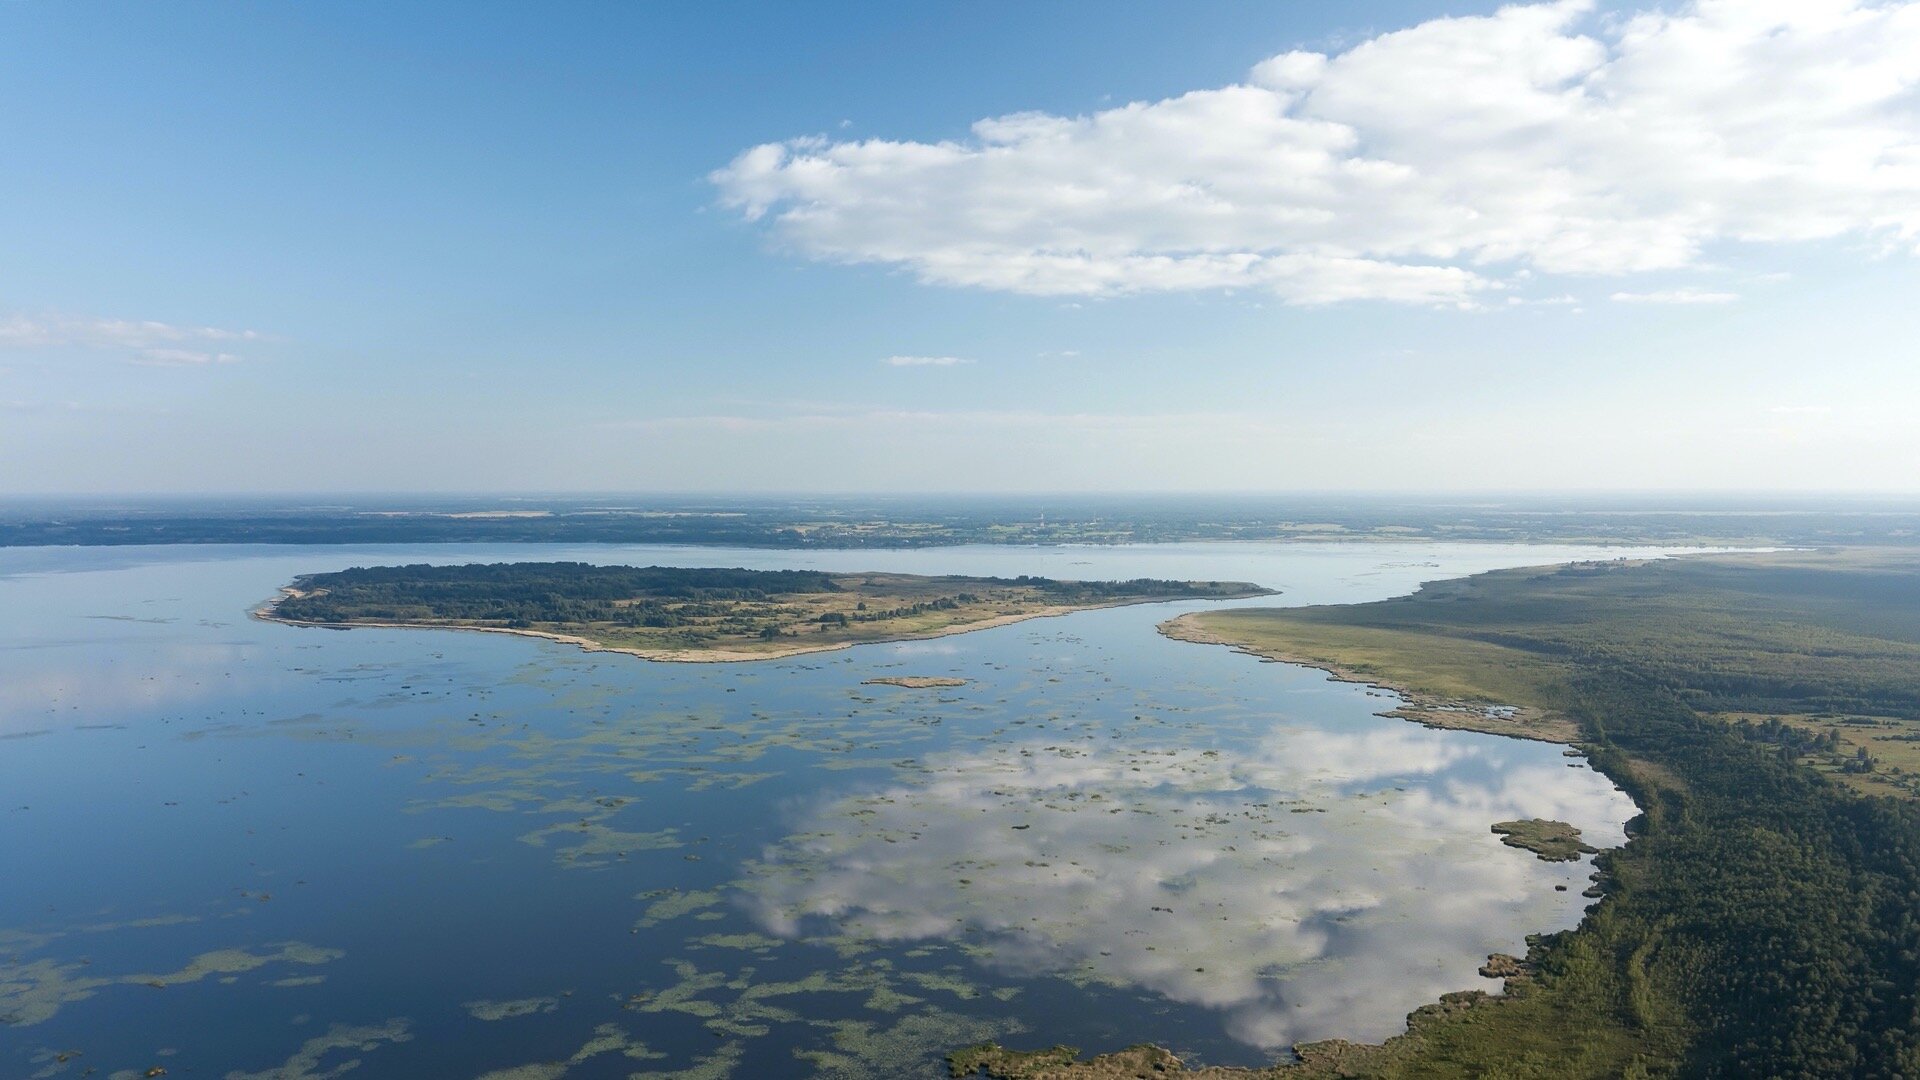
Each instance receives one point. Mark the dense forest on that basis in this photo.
(520, 594)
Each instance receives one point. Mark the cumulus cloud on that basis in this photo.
(1426, 165)
(1676, 296)
(151, 343)
(925, 361)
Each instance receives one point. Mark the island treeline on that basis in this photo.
(521, 594)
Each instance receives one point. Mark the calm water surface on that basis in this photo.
(238, 849)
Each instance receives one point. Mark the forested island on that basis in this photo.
(1761, 920)
(675, 613)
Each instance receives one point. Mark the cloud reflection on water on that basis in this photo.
(1232, 882)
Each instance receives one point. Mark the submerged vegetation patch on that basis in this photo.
(508, 1010)
(323, 1057)
(33, 992)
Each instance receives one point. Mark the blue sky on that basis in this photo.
(355, 247)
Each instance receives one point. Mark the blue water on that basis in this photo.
(234, 848)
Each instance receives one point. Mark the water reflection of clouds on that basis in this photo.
(925, 648)
(1234, 883)
(65, 686)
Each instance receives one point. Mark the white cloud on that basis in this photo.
(925, 361)
(182, 358)
(1676, 296)
(1423, 165)
(155, 344)
(1186, 424)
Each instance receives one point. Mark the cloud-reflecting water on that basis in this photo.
(1324, 883)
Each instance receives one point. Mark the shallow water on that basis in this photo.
(237, 848)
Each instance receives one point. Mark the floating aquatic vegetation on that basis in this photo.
(917, 1042)
(749, 942)
(508, 1010)
(684, 996)
(947, 981)
(588, 841)
(719, 1065)
(307, 1062)
(33, 992)
(674, 903)
(607, 1039)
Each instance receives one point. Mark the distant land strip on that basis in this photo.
(862, 525)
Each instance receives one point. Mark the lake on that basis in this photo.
(242, 849)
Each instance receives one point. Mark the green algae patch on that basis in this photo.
(947, 982)
(607, 1039)
(673, 904)
(508, 1010)
(307, 1063)
(1552, 841)
(909, 1046)
(34, 992)
(544, 1070)
(594, 844)
(750, 942)
(684, 996)
(299, 980)
(888, 1000)
(718, 1065)
(1063, 1063)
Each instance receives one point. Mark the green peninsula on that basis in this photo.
(1759, 921)
(703, 614)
